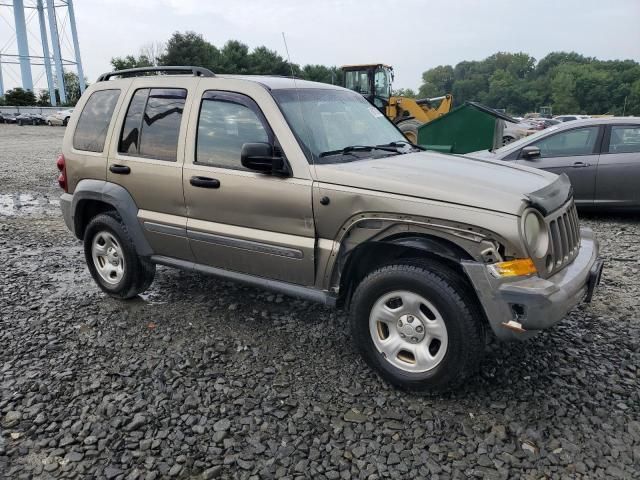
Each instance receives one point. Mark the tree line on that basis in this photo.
(517, 82)
(234, 57)
(566, 81)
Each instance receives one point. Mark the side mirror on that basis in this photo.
(264, 158)
(530, 152)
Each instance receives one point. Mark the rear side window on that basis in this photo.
(152, 125)
(91, 130)
(624, 139)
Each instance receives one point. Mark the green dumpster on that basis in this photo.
(467, 128)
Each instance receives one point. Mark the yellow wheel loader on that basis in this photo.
(374, 80)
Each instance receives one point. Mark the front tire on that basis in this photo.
(417, 324)
(112, 259)
(410, 129)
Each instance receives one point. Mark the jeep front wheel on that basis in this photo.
(112, 259)
(417, 324)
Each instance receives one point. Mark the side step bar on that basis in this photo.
(299, 291)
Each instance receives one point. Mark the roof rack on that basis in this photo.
(134, 72)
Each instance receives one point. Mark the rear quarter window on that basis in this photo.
(92, 126)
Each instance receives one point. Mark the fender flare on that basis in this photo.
(440, 248)
(120, 199)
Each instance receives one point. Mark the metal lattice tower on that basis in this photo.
(48, 50)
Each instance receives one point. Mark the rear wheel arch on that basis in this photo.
(92, 197)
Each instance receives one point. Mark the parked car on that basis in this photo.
(515, 131)
(304, 188)
(601, 156)
(570, 118)
(8, 118)
(548, 122)
(59, 118)
(30, 119)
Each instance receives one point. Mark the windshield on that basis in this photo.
(331, 120)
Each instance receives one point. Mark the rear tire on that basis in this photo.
(65, 121)
(443, 344)
(507, 139)
(112, 258)
(410, 129)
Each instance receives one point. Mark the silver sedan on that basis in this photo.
(601, 156)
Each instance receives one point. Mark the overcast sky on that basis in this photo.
(411, 35)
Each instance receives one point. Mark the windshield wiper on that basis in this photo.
(361, 148)
(401, 143)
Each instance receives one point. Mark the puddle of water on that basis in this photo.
(18, 204)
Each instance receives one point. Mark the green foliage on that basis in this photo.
(19, 97)
(568, 81)
(122, 63)
(234, 57)
(405, 92)
(44, 99)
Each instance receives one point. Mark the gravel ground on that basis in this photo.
(200, 378)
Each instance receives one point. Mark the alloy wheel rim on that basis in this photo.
(107, 257)
(409, 331)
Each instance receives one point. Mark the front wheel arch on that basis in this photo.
(370, 255)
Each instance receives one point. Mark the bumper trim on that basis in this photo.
(536, 303)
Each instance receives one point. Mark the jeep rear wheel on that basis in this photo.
(112, 259)
(418, 325)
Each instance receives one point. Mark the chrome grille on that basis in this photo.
(564, 236)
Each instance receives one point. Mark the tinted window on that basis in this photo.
(223, 127)
(153, 134)
(94, 120)
(132, 123)
(624, 139)
(580, 141)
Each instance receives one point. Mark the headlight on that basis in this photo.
(535, 234)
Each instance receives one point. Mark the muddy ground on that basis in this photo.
(200, 378)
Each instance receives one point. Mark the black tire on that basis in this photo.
(19, 123)
(138, 271)
(410, 129)
(65, 121)
(451, 295)
(507, 139)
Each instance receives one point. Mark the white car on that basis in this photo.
(570, 118)
(516, 131)
(60, 117)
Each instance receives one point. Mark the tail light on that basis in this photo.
(62, 178)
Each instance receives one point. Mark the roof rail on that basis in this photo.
(134, 72)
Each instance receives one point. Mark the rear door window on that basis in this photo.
(152, 124)
(92, 126)
(624, 139)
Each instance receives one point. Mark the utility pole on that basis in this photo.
(76, 44)
(1, 82)
(55, 43)
(23, 45)
(45, 54)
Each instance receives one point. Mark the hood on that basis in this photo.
(487, 184)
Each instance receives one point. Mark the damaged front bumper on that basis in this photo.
(520, 308)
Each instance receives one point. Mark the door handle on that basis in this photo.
(580, 164)
(120, 169)
(205, 182)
